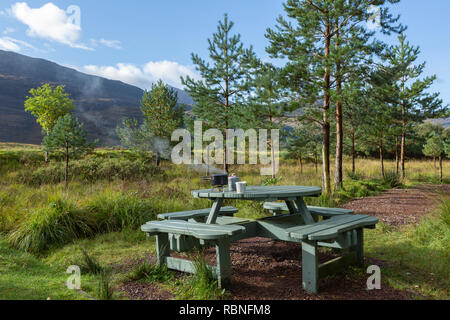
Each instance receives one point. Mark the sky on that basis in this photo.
(139, 42)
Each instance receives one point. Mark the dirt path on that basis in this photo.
(268, 269)
(400, 206)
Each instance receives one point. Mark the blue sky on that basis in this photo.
(140, 41)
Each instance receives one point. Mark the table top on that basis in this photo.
(261, 193)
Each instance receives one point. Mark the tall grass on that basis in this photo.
(59, 223)
(202, 285)
(89, 170)
(150, 273)
(434, 231)
(116, 211)
(63, 221)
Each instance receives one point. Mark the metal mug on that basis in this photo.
(241, 187)
(232, 183)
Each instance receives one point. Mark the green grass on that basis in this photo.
(25, 277)
(418, 257)
(103, 214)
(201, 285)
(150, 273)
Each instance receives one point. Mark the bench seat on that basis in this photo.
(200, 231)
(194, 214)
(278, 207)
(331, 228)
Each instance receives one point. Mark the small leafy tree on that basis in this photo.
(303, 142)
(435, 146)
(141, 139)
(162, 115)
(69, 137)
(48, 104)
(161, 110)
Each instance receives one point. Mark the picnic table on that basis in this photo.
(292, 221)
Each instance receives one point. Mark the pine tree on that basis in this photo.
(162, 115)
(219, 95)
(264, 108)
(69, 137)
(415, 103)
(161, 110)
(435, 145)
(316, 67)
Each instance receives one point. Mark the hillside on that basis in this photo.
(100, 103)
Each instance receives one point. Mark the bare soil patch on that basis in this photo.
(401, 206)
(272, 270)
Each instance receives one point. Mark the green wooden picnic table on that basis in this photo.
(292, 195)
(338, 229)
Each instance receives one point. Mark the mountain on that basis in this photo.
(100, 103)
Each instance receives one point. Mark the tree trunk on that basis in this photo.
(66, 175)
(339, 125)
(402, 156)
(353, 152)
(301, 164)
(325, 124)
(46, 156)
(381, 157)
(272, 151)
(440, 168)
(227, 104)
(396, 156)
(316, 162)
(434, 160)
(158, 159)
(403, 147)
(326, 158)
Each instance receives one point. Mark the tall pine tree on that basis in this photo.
(323, 33)
(218, 96)
(413, 99)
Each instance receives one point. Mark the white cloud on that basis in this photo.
(49, 22)
(125, 72)
(11, 44)
(115, 44)
(168, 71)
(7, 44)
(151, 72)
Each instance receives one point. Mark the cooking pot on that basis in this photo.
(217, 180)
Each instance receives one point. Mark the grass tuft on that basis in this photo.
(105, 290)
(202, 285)
(90, 264)
(150, 273)
(57, 224)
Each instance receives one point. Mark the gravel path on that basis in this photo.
(401, 206)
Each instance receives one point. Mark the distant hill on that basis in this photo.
(100, 103)
(444, 122)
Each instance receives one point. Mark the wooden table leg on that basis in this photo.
(310, 266)
(223, 262)
(306, 215)
(358, 248)
(214, 213)
(162, 248)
